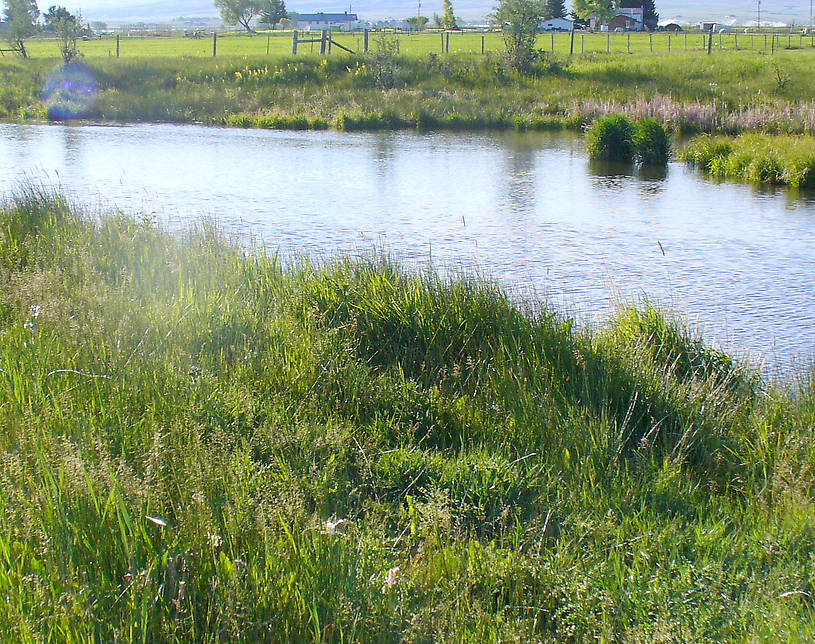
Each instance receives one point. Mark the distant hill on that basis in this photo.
(726, 11)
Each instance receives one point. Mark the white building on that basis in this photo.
(556, 24)
(633, 9)
(319, 21)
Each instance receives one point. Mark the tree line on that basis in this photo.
(22, 18)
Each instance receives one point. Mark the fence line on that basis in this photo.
(448, 42)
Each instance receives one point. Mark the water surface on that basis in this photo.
(528, 210)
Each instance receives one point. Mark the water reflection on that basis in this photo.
(529, 210)
(520, 178)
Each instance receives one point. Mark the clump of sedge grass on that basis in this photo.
(611, 138)
(651, 142)
(756, 158)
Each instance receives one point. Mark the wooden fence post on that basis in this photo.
(582, 43)
(214, 44)
(323, 39)
(442, 42)
(669, 42)
(117, 45)
(608, 42)
(710, 42)
(268, 42)
(651, 41)
(483, 44)
(553, 42)
(571, 42)
(365, 41)
(294, 43)
(628, 41)
(447, 43)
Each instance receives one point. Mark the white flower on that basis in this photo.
(35, 310)
(391, 578)
(216, 540)
(331, 525)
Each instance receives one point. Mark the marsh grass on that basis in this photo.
(186, 423)
(756, 158)
(688, 92)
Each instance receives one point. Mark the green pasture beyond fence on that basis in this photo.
(417, 44)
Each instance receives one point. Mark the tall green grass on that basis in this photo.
(688, 92)
(206, 444)
(756, 158)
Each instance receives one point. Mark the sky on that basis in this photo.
(732, 11)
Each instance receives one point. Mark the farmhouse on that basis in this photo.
(556, 24)
(632, 9)
(309, 21)
(624, 23)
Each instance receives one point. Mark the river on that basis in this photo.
(528, 210)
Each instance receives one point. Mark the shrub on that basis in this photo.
(611, 138)
(651, 142)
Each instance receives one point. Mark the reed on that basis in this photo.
(205, 443)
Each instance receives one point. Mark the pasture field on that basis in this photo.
(204, 444)
(279, 43)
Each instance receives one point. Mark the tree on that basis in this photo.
(68, 29)
(53, 16)
(519, 20)
(555, 9)
(603, 10)
(273, 12)
(649, 15)
(21, 16)
(437, 21)
(448, 18)
(239, 12)
(418, 22)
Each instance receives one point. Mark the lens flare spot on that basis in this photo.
(70, 92)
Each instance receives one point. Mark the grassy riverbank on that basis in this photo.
(691, 91)
(756, 158)
(205, 445)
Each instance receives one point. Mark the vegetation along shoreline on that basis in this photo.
(690, 92)
(201, 439)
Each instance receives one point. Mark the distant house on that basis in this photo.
(630, 17)
(624, 23)
(309, 21)
(556, 24)
(672, 26)
(633, 9)
(707, 26)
